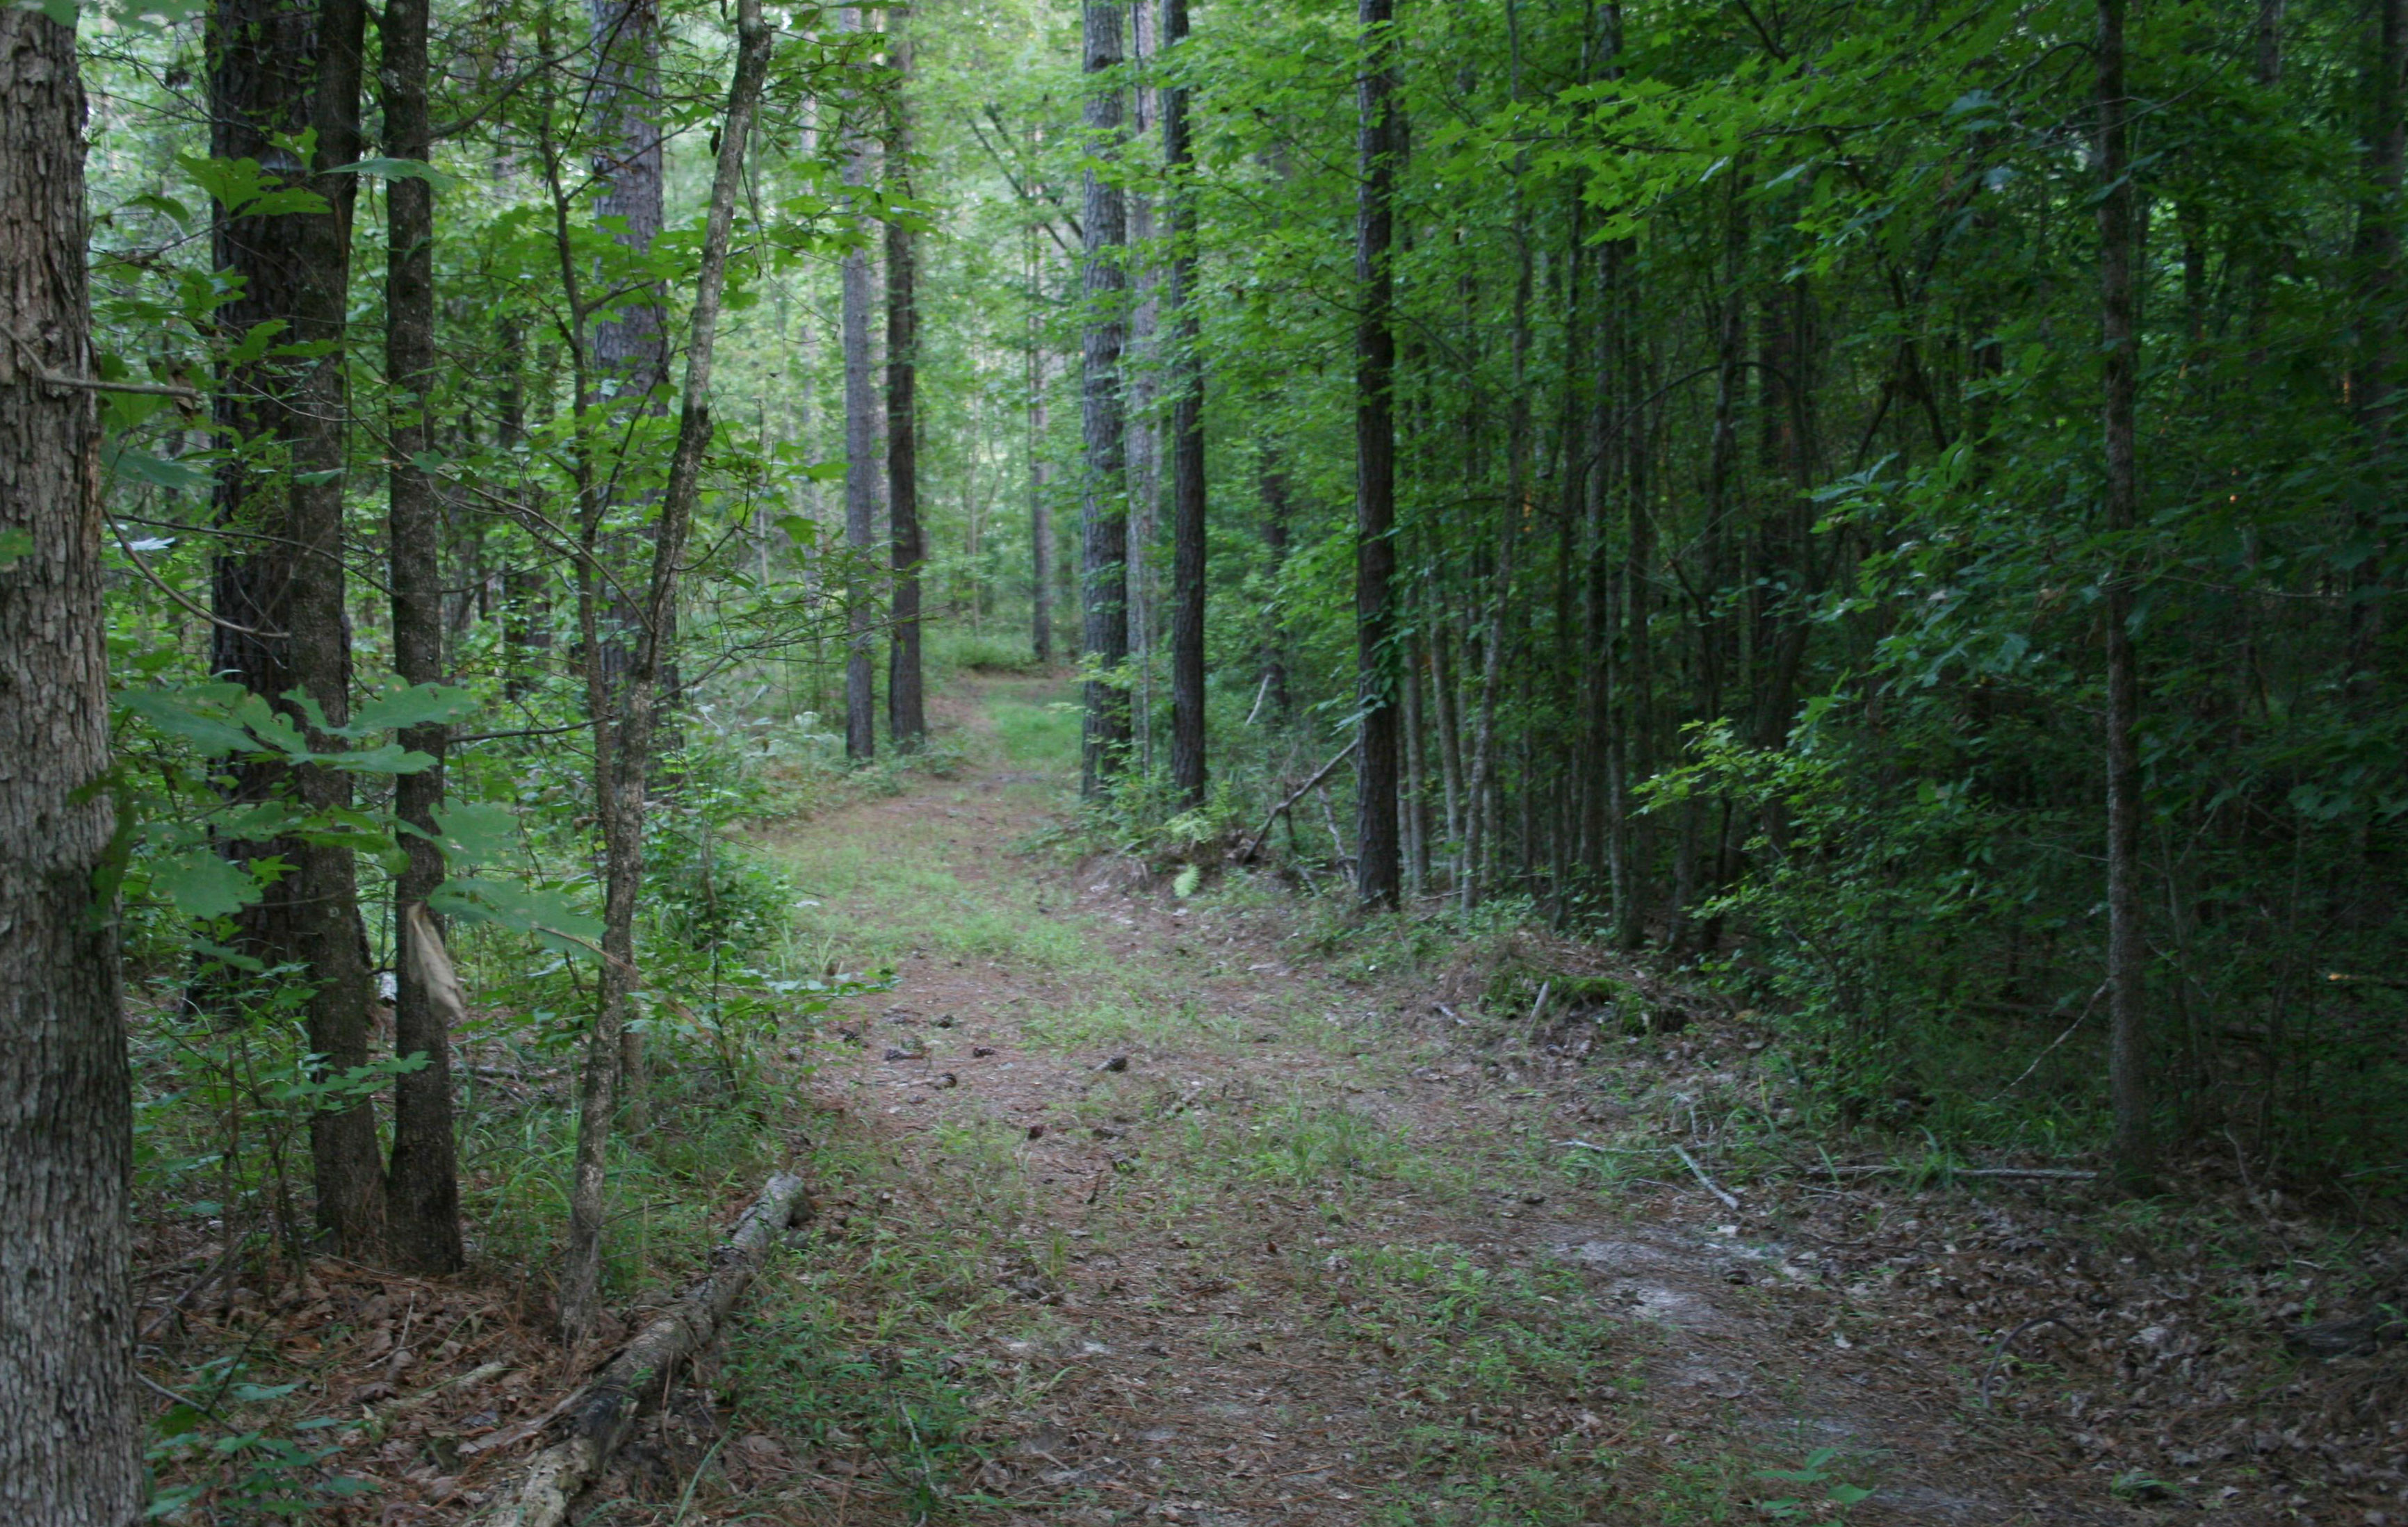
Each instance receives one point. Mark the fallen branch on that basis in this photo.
(1729, 1201)
(606, 1413)
(2054, 1174)
(1254, 845)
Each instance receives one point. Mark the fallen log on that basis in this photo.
(604, 1411)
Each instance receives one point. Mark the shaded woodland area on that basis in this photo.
(1889, 518)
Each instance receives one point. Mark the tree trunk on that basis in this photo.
(906, 718)
(1102, 491)
(1187, 443)
(1445, 703)
(630, 756)
(422, 1179)
(2375, 372)
(71, 1452)
(1142, 384)
(276, 70)
(1040, 516)
(1414, 820)
(631, 351)
(1378, 868)
(860, 447)
(1272, 467)
(2126, 954)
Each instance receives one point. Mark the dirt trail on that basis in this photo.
(1210, 1227)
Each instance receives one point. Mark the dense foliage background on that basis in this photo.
(1752, 567)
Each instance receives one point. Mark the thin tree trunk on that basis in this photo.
(860, 446)
(1272, 468)
(581, 1273)
(1449, 729)
(907, 719)
(71, 1450)
(1103, 416)
(1378, 870)
(422, 1179)
(1187, 740)
(2126, 954)
(1415, 820)
(1040, 519)
(277, 71)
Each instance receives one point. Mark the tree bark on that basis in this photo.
(631, 353)
(1103, 414)
(1271, 466)
(71, 1452)
(860, 444)
(631, 350)
(629, 755)
(907, 719)
(422, 1177)
(1040, 516)
(1187, 740)
(1378, 868)
(2126, 954)
(277, 69)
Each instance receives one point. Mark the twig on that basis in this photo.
(1254, 845)
(2000, 1352)
(2062, 1038)
(2051, 1173)
(169, 590)
(1541, 1006)
(1690, 1162)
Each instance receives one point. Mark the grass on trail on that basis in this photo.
(1233, 1283)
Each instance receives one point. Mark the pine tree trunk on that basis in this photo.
(860, 448)
(1103, 415)
(1142, 383)
(279, 69)
(1188, 572)
(1378, 869)
(631, 351)
(422, 1179)
(906, 718)
(1040, 516)
(71, 1452)
(2126, 954)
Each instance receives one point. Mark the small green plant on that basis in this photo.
(1812, 1475)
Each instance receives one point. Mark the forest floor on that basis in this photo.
(1226, 1209)
(1146, 1207)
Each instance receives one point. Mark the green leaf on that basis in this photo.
(159, 471)
(474, 832)
(202, 885)
(416, 706)
(196, 714)
(13, 545)
(546, 913)
(395, 169)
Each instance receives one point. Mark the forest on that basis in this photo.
(1806, 595)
